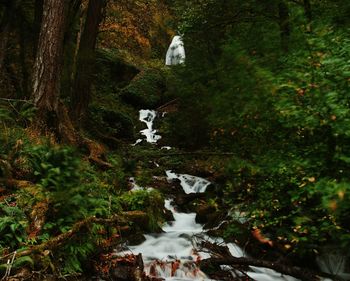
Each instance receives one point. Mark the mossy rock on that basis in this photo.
(112, 69)
(146, 90)
(205, 213)
(107, 122)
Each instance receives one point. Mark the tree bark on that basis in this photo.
(284, 23)
(5, 26)
(23, 43)
(38, 15)
(48, 65)
(308, 14)
(86, 58)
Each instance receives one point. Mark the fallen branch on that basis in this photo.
(96, 153)
(57, 241)
(206, 153)
(222, 256)
(301, 273)
(162, 107)
(17, 100)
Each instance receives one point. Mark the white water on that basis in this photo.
(147, 116)
(176, 52)
(334, 262)
(190, 184)
(171, 255)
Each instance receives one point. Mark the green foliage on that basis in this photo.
(55, 168)
(16, 112)
(111, 123)
(75, 191)
(12, 226)
(149, 201)
(285, 115)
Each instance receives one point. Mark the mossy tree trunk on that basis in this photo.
(86, 57)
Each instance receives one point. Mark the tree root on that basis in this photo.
(97, 152)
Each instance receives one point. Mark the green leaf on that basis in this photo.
(21, 261)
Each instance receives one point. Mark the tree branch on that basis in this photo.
(57, 241)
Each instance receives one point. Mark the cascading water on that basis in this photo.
(173, 255)
(176, 52)
(190, 184)
(147, 116)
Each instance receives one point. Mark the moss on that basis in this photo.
(112, 69)
(149, 201)
(146, 90)
(112, 123)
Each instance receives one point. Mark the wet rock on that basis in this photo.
(127, 268)
(204, 213)
(165, 186)
(136, 239)
(185, 199)
(168, 215)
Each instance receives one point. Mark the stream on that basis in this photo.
(175, 253)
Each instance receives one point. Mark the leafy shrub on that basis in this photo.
(12, 226)
(149, 201)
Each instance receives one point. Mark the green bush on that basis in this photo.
(149, 201)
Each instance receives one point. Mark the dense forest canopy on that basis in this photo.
(260, 107)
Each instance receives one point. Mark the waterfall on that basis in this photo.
(176, 52)
(148, 116)
(190, 184)
(175, 254)
(334, 262)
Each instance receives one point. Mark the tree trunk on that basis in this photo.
(86, 57)
(308, 14)
(284, 23)
(48, 65)
(5, 26)
(23, 43)
(38, 15)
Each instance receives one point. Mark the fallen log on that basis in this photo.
(220, 255)
(298, 272)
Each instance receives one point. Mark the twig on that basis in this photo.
(9, 266)
(20, 100)
(167, 104)
(200, 153)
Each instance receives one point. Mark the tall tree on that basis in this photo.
(284, 23)
(5, 25)
(308, 13)
(48, 65)
(86, 58)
